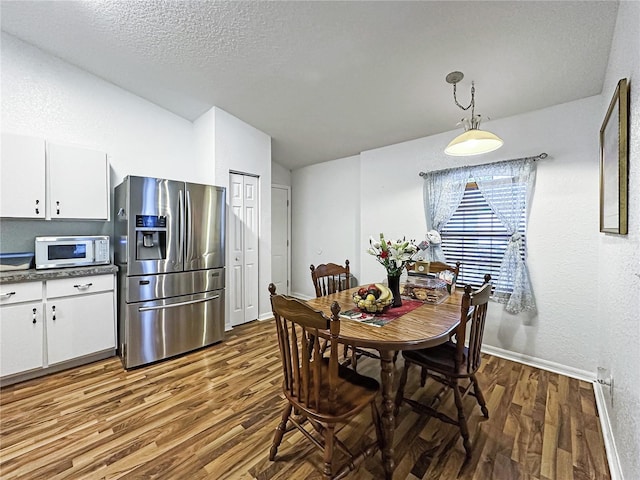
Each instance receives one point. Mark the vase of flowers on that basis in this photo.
(394, 257)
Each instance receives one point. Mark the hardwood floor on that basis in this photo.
(211, 414)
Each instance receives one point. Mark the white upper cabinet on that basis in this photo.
(78, 183)
(22, 177)
(52, 181)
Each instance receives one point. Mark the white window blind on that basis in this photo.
(475, 236)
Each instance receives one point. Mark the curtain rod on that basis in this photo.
(541, 156)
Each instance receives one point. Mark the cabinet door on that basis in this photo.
(22, 177)
(78, 183)
(21, 343)
(79, 325)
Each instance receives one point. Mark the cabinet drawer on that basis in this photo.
(79, 285)
(11, 293)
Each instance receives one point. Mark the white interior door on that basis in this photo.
(280, 236)
(244, 236)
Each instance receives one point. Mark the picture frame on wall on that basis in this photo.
(614, 162)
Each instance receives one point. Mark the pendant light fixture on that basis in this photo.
(473, 141)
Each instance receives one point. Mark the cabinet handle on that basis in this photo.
(57, 208)
(53, 310)
(83, 286)
(34, 316)
(37, 209)
(8, 294)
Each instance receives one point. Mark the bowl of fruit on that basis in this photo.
(374, 298)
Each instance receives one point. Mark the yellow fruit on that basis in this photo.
(385, 293)
(371, 297)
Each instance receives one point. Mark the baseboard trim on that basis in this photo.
(540, 363)
(265, 316)
(301, 296)
(607, 433)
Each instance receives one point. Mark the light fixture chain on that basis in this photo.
(471, 104)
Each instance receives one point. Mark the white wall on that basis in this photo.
(204, 128)
(280, 175)
(325, 211)
(618, 271)
(239, 147)
(563, 227)
(46, 97)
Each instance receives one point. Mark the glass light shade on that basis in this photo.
(473, 142)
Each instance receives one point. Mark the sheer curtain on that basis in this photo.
(443, 191)
(507, 187)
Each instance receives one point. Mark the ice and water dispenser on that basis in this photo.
(151, 237)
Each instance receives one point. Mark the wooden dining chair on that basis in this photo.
(437, 267)
(322, 393)
(453, 364)
(330, 278)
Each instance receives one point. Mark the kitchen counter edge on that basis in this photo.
(33, 275)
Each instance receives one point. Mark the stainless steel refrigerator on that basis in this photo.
(170, 247)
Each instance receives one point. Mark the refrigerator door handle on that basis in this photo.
(181, 225)
(177, 304)
(188, 231)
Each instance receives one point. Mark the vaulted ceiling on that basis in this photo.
(331, 79)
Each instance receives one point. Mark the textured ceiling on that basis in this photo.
(330, 79)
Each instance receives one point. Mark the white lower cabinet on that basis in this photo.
(21, 345)
(78, 326)
(69, 319)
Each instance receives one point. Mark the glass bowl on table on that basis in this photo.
(374, 298)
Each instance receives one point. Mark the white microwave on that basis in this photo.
(58, 252)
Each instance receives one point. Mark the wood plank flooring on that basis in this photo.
(211, 415)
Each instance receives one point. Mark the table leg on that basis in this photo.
(388, 405)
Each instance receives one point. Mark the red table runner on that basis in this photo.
(381, 319)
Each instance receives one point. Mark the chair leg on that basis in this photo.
(401, 385)
(354, 359)
(423, 376)
(479, 396)
(462, 421)
(329, 433)
(280, 429)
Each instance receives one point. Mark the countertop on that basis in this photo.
(32, 274)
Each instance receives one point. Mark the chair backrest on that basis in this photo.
(437, 267)
(474, 310)
(308, 377)
(330, 278)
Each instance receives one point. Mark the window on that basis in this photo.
(475, 236)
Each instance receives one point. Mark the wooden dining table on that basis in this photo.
(426, 326)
